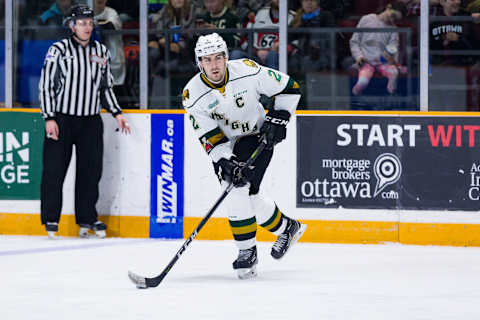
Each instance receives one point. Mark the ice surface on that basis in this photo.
(87, 279)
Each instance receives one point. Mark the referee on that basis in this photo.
(75, 83)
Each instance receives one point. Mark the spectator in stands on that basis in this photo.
(452, 35)
(313, 48)
(473, 7)
(377, 51)
(56, 13)
(107, 19)
(247, 9)
(413, 6)
(220, 16)
(176, 15)
(339, 8)
(156, 5)
(266, 43)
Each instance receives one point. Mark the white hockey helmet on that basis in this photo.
(209, 44)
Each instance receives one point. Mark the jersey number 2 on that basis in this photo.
(194, 123)
(274, 75)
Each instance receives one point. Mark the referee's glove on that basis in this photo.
(235, 172)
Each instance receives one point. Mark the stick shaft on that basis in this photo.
(153, 282)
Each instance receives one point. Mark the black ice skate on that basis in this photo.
(98, 227)
(245, 265)
(285, 240)
(52, 228)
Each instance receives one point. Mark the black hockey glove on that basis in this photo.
(235, 172)
(275, 127)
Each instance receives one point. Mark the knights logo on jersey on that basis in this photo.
(250, 63)
(185, 95)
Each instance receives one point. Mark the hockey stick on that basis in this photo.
(143, 282)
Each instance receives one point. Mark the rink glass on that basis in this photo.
(326, 72)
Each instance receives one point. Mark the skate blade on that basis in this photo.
(299, 233)
(96, 235)
(52, 236)
(247, 273)
(295, 238)
(100, 234)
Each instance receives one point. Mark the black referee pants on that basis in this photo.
(86, 133)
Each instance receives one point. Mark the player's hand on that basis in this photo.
(123, 124)
(51, 129)
(235, 172)
(275, 127)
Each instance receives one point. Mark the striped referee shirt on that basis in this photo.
(77, 80)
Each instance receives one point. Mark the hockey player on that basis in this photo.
(223, 103)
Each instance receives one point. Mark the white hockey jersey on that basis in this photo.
(263, 19)
(220, 115)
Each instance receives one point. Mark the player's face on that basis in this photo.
(214, 66)
(83, 28)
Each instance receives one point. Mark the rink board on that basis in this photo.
(127, 202)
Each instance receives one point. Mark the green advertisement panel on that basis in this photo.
(21, 140)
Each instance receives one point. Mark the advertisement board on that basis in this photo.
(388, 162)
(166, 218)
(21, 141)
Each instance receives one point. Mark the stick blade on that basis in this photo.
(139, 281)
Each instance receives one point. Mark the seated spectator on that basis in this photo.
(156, 5)
(313, 48)
(107, 19)
(377, 51)
(474, 9)
(220, 16)
(413, 7)
(266, 43)
(339, 8)
(452, 35)
(247, 9)
(56, 13)
(176, 15)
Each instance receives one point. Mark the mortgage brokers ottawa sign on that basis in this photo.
(393, 162)
(21, 137)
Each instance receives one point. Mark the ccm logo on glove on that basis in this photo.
(275, 127)
(278, 121)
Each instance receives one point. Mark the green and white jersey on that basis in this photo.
(221, 114)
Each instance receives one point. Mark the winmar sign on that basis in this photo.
(166, 218)
(14, 157)
(21, 137)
